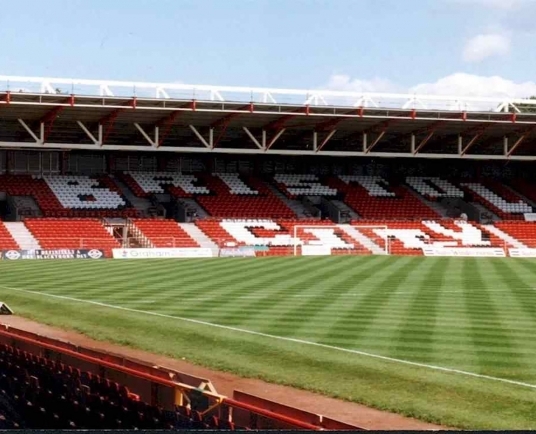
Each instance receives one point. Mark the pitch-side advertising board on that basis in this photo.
(162, 253)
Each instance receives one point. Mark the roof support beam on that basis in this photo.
(152, 142)
(208, 143)
(30, 132)
(89, 134)
(279, 123)
(333, 123)
(317, 147)
(478, 130)
(264, 143)
(422, 142)
(380, 128)
(275, 138)
(254, 140)
(432, 127)
(234, 151)
(226, 120)
(167, 124)
(520, 140)
(249, 108)
(47, 122)
(375, 142)
(471, 143)
(108, 121)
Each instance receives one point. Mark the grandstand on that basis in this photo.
(166, 174)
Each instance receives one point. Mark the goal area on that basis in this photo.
(325, 240)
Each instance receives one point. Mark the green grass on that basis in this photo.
(475, 315)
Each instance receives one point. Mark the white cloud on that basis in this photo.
(458, 84)
(346, 83)
(484, 46)
(476, 86)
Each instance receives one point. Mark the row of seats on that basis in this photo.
(302, 185)
(224, 204)
(82, 192)
(395, 203)
(45, 394)
(499, 199)
(433, 188)
(277, 233)
(230, 195)
(6, 239)
(72, 234)
(41, 393)
(402, 237)
(162, 233)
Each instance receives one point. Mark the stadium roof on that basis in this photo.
(46, 113)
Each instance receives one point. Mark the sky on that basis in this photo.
(461, 47)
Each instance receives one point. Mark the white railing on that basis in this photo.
(313, 97)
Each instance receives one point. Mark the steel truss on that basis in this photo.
(316, 97)
(262, 125)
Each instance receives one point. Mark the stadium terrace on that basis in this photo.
(155, 189)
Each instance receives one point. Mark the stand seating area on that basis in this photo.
(498, 199)
(70, 196)
(376, 198)
(522, 231)
(6, 240)
(40, 393)
(72, 234)
(163, 233)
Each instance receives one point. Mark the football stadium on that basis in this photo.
(180, 256)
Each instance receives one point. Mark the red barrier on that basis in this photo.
(261, 417)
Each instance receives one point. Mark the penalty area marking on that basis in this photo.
(280, 338)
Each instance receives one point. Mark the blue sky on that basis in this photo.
(432, 46)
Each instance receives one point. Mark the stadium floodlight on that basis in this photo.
(5, 310)
(364, 239)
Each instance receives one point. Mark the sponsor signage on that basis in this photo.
(522, 253)
(242, 252)
(161, 253)
(464, 251)
(14, 255)
(315, 250)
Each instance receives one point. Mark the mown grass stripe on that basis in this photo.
(422, 336)
(294, 305)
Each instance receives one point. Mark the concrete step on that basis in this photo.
(505, 237)
(192, 203)
(483, 209)
(200, 237)
(363, 239)
(343, 207)
(436, 206)
(22, 235)
(142, 204)
(294, 205)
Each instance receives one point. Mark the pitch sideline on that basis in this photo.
(281, 338)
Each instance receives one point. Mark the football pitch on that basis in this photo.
(446, 340)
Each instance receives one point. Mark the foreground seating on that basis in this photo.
(43, 394)
(71, 234)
